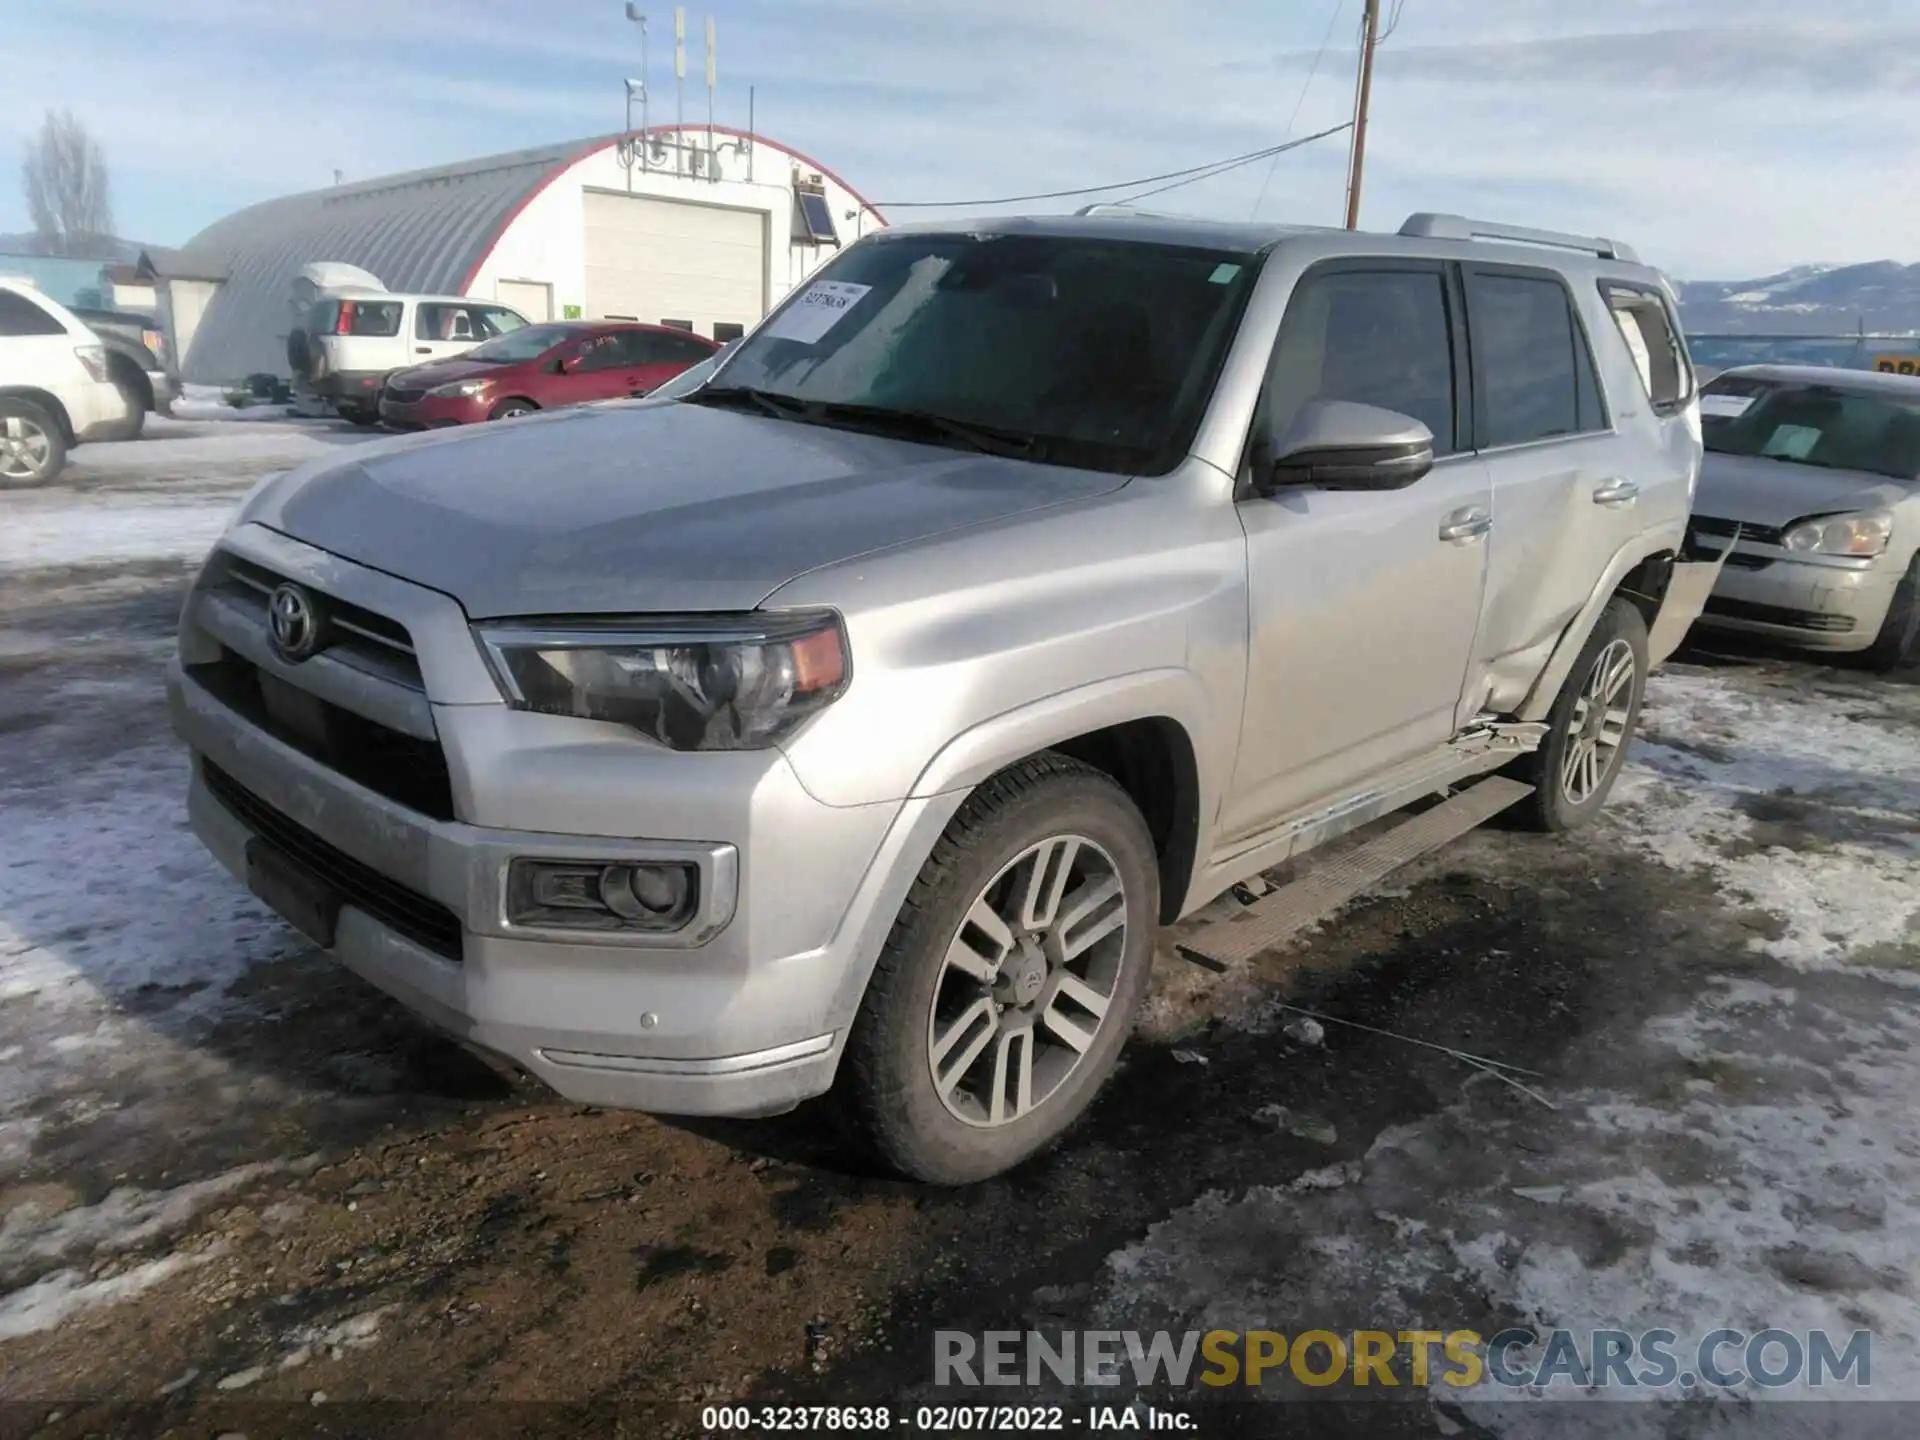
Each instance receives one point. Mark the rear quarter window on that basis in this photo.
(21, 316)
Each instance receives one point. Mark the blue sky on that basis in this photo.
(1725, 140)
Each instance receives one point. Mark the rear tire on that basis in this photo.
(1899, 635)
(1590, 726)
(1011, 978)
(33, 448)
(508, 409)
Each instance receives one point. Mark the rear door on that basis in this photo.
(1564, 502)
(360, 336)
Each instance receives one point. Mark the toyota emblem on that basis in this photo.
(294, 624)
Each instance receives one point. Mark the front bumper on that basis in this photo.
(1833, 607)
(751, 1021)
(432, 412)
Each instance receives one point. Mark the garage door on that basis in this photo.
(532, 298)
(653, 260)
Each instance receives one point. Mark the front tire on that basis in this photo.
(1590, 726)
(1011, 978)
(33, 449)
(1900, 632)
(508, 409)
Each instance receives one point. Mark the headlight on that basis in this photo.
(1865, 533)
(737, 682)
(93, 359)
(460, 389)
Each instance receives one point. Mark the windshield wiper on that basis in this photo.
(925, 425)
(744, 397)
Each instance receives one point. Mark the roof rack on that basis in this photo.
(1429, 226)
(1108, 208)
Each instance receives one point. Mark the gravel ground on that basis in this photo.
(232, 1176)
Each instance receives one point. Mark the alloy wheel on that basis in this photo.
(24, 448)
(1597, 726)
(1027, 981)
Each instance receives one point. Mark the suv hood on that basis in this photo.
(669, 508)
(1779, 492)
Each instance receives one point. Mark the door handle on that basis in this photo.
(423, 350)
(1616, 492)
(1468, 524)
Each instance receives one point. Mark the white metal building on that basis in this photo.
(700, 228)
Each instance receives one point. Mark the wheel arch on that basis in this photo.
(1640, 571)
(47, 401)
(1140, 729)
(126, 371)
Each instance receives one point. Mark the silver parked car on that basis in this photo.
(852, 722)
(1818, 471)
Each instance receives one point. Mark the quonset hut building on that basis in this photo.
(704, 229)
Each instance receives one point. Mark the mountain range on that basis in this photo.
(1882, 297)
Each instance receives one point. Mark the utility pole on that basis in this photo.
(1363, 97)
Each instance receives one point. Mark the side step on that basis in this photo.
(1279, 914)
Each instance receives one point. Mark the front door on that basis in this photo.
(600, 367)
(1364, 604)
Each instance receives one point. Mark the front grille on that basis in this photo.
(426, 922)
(1757, 534)
(1779, 615)
(403, 397)
(364, 639)
(408, 771)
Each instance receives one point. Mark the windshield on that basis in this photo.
(1820, 425)
(529, 342)
(1092, 353)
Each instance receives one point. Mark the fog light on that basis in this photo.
(650, 897)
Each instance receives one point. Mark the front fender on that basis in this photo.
(1546, 686)
(977, 752)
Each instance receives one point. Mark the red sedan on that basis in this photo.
(538, 367)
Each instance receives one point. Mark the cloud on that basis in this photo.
(1721, 140)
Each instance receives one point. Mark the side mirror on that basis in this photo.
(1342, 445)
(567, 363)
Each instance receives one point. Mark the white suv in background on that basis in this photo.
(55, 387)
(347, 344)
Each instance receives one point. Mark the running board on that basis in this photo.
(1282, 913)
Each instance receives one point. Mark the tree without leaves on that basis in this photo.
(65, 176)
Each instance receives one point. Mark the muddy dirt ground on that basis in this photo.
(231, 1185)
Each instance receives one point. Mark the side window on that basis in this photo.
(1534, 372)
(379, 319)
(725, 330)
(492, 320)
(603, 352)
(683, 349)
(1654, 342)
(20, 316)
(1377, 337)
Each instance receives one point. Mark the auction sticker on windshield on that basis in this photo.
(817, 311)
(1725, 407)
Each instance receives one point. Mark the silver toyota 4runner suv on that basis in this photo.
(851, 723)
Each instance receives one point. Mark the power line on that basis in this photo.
(1225, 166)
(1326, 39)
(1194, 172)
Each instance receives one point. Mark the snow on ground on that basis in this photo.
(61, 530)
(1835, 777)
(1750, 1159)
